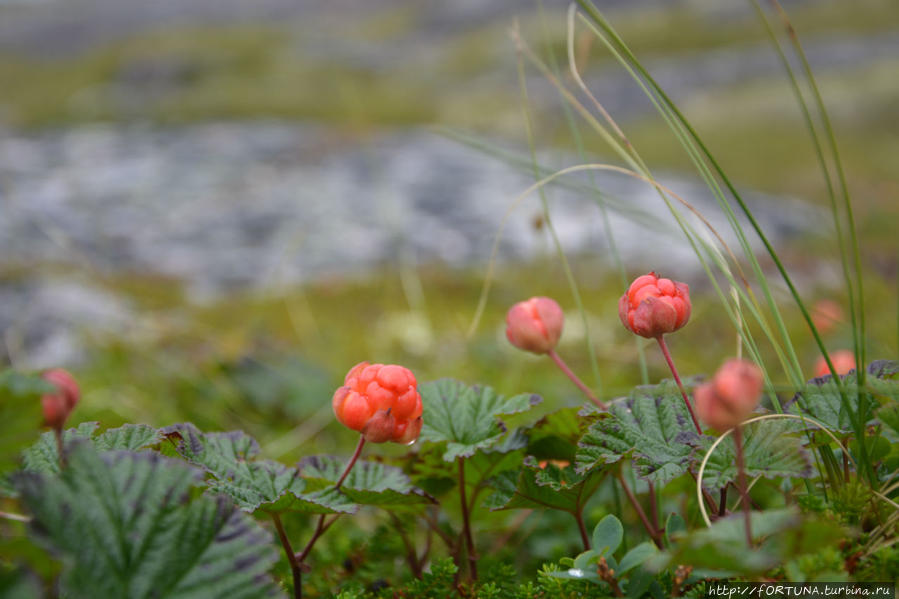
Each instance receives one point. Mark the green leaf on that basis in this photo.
(43, 457)
(466, 418)
(675, 527)
(821, 398)
(889, 415)
(636, 557)
(769, 450)
(778, 535)
(555, 436)
(653, 424)
(130, 437)
(368, 483)
(127, 527)
(253, 484)
(607, 535)
(551, 487)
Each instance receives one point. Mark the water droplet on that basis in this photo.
(410, 443)
(576, 572)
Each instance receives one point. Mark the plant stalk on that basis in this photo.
(466, 523)
(352, 462)
(585, 538)
(741, 481)
(667, 354)
(295, 567)
(321, 527)
(574, 379)
(654, 533)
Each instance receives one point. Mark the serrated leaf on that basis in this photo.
(550, 487)
(253, 484)
(769, 450)
(555, 436)
(368, 483)
(126, 525)
(43, 456)
(466, 418)
(607, 535)
(821, 397)
(653, 424)
(777, 535)
(130, 437)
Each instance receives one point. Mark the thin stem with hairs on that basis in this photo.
(574, 379)
(680, 385)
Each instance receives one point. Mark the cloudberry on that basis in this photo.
(381, 402)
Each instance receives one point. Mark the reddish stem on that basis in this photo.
(466, 524)
(741, 481)
(321, 527)
(579, 517)
(352, 462)
(574, 379)
(295, 567)
(667, 354)
(654, 533)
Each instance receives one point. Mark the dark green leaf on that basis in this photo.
(466, 418)
(550, 487)
(43, 457)
(127, 528)
(368, 483)
(555, 436)
(231, 460)
(769, 449)
(821, 398)
(130, 437)
(653, 424)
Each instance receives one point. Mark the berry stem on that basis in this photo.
(578, 382)
(667, 354)
(321, 527)
(741, 481)
(352, 462)
(466, 524)
(654, 533)
(295, 567)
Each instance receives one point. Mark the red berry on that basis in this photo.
(652, 307)
(731, 396)
(843, 362)
(535, 325)
(57, 406)
(381, 402)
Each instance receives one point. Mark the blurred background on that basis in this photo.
(212, 209)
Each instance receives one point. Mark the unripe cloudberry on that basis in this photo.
(381, 402)
(731, 396)
(57, 406)
(535, 325)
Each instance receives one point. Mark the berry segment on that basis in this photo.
(381, 402)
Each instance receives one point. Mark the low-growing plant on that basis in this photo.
(659, 493)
